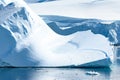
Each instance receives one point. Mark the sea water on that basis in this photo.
(111, 73)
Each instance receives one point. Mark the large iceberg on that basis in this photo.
(27, 41)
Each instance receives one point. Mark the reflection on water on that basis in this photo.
(111, 73)
(59, 73)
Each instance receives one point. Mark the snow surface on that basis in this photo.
(35, 1)
(27, 41)
(98, 9)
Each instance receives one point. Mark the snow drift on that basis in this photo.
(27, 41)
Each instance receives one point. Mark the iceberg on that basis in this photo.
(27, 40)
(92, 73)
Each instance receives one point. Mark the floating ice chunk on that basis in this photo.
(92, 73)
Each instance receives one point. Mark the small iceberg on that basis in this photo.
(92, 73)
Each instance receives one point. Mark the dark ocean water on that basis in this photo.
(112, 73)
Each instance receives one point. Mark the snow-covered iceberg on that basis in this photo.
(27, 41)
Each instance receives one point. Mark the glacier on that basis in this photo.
(27, 40)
